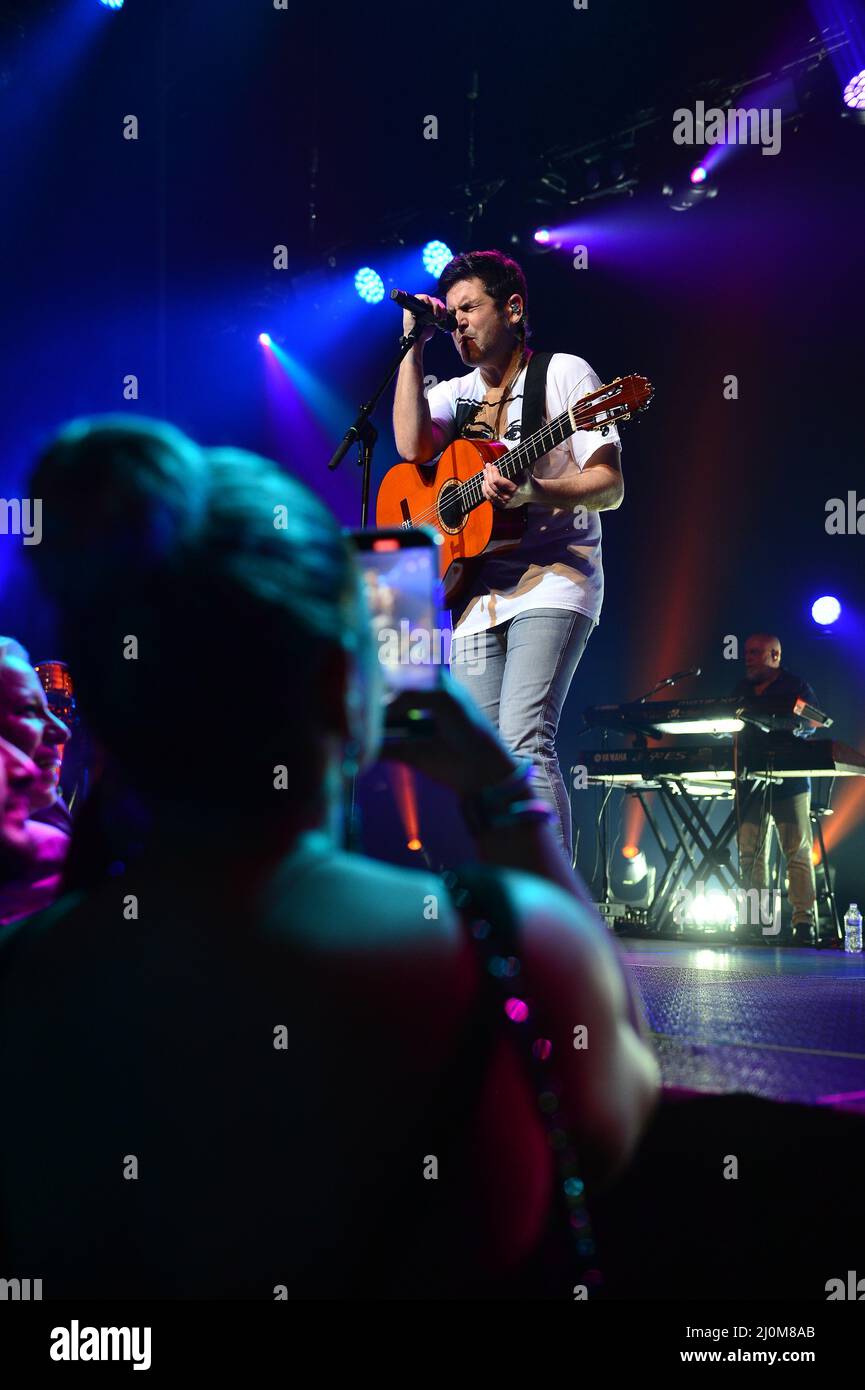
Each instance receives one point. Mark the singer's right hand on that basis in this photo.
(439, 310)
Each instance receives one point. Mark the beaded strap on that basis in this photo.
(524, 1020)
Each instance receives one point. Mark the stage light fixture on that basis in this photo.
(636, 869)
(683, 196)
(542, 236)
(369, 285)
(436, 255)
(854, 92)
(699, 174)
(633, 882)
(712, 910)
(548, 190)
(826, 610)
(265, 339)
(112, 4)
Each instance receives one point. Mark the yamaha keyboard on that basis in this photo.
(823, 757)
(654, 718)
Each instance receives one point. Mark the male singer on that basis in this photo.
(522, 622)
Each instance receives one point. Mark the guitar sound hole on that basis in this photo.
(450, 511)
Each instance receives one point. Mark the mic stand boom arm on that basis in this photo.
(363, 432)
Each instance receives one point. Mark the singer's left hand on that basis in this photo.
(498, 489)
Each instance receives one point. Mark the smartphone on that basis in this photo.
(400, 570)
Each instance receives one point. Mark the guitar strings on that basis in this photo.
(472, 486)
(469, 493)
(470, 490)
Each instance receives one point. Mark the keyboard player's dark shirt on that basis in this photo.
(753, 742)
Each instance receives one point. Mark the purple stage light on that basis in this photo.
(826, 610)
(854, 92)
(517, 1010)
(542, 236)
(699, 174)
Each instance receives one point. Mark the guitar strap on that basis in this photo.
(535, 393)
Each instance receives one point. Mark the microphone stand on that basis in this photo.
(364, 433)
(661, 685)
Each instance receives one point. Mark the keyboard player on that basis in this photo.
(787, 805)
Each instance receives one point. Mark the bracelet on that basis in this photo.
(511, 802)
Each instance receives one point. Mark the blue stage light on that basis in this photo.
(436, 256)
(369, 285)
(112, 4)
(826, 610)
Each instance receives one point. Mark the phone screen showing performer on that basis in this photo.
(401, 578)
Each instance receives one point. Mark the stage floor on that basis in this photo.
(783, 1023)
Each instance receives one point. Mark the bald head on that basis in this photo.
(762, 657)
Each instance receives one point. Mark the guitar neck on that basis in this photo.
(616, 401)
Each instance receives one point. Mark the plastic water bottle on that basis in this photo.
(853, 929)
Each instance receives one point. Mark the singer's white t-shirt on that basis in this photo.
(558, 561)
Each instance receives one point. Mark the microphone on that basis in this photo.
(670, 680)
(680, 675)
(423, 312)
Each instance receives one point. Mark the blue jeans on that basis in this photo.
(519, 673)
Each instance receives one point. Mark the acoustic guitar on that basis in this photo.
(445, 494)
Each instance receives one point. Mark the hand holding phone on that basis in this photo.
(460, 748)
(412, 635)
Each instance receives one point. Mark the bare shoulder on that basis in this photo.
(558, 933)
(349, 900)
(396, 937)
